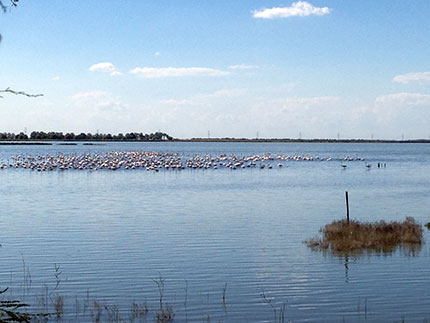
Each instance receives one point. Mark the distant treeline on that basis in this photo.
(70, 136)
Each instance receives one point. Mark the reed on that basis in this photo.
(341, 236)
(278, 312)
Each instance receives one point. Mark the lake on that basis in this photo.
(227, 245)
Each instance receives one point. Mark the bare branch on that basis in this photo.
(2, 6)
(9, 90)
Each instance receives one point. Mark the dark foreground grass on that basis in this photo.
(343, 236)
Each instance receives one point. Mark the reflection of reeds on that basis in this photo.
(224, 291)
(341, 236)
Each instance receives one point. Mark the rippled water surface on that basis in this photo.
(114, 232)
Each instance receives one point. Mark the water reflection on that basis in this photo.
(346, 268)
(405, 250)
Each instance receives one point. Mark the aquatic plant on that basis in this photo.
(13, 311)
(344, 236)
(165, 312)
(10, 310)
(278, 313)
(138, 311)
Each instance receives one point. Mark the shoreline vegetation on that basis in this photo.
(354, 236)
(53, 305)
(41, 137)
(70, 136)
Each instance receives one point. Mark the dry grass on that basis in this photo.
(341, 236)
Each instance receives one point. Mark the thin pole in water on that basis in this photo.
(347, 206)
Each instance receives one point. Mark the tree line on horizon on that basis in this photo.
(70, 136)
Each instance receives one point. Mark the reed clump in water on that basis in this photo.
(344, 236)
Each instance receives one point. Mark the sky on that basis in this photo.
(276, 68)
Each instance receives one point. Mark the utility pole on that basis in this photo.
(347, 207)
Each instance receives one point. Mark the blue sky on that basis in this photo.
(281, 68)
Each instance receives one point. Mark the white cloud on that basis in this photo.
(105, 67)
(242, 67)
(399, 113)
(206, 99)
(297, 9)
(82, 112)
(240, 112)
(412, 77)
(98, 100)
(313, 117)
(157, 54)
(307, 102)
(114, 73)
(403, 99)
(89, 95)
(92, 110)
(56, 78)
(231, 113)
(226, 93)
(174, 102)
(153, 72)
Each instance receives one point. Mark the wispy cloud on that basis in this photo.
(205, 99)
(105, 67)
(242, 67)
(226, 93)
(403, 99)
(302, 103)
(399, 112)
(99, 100)
(153, 72)
(174, 102)
(412, 77)
(297, 9)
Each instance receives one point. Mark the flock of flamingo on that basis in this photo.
(156, 161)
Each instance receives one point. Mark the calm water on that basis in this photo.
(113, 233)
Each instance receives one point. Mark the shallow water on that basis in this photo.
(113, 233)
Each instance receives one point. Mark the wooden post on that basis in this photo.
(347, 206)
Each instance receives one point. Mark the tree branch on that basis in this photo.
(3, 7)
(9, 90)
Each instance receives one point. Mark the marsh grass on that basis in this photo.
(278, 312)
(138, 311)
(10, 310)
(342, 236)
